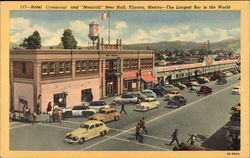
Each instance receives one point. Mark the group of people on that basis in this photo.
(54, 113)
(27, 114)
(140, 130)
(175, 138)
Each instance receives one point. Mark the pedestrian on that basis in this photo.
(137, 134)
(34, 118)
(123, 108)
(59, 115)
(50, 116)
(138, 99)
(174, 138)
(192, 139)
(143, 125)
(141, 135)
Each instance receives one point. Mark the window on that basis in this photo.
(107, 65)
(78, 64)
(124, 64)
(67, 67)
(90, 66)
(24, 68)
(44, 68)
(114, 65)
(149, 62)
(97, 125)
(61, 67)
(52, 68)
(95, 65)
(83, 66)
(91, 127)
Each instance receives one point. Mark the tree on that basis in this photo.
(68, 40)
(32, 42)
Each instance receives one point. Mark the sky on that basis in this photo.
(130, 26)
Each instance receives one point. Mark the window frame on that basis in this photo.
(78, 65)
(47, 66)
(50, 68)
(69, 66)
(59, 67)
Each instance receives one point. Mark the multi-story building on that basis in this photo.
(66, 77)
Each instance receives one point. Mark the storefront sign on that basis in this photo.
(225, 62)
(177, 67)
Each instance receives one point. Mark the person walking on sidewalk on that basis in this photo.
(174, 138)
(123, 108)
(141, 135)
(143, 125)
(34, 118)
(137, 129)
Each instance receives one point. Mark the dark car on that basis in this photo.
(201, 81)
(204, 90)
(235, 116)
(176, 101)
(159, 91)
(222, 81)
(188, 83)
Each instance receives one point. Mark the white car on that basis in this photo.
(195, 88)
(236, 90)
(149, 93)
(78, 110)
(147, 104)
(126, 98)
(97, 105)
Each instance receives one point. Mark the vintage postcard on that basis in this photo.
(124, 79)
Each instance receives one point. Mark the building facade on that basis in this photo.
(68, 77)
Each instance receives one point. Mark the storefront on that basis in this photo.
(130, 82)
(147, 80)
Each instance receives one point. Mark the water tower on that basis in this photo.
(93, 32)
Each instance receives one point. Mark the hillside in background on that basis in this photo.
(232, 44)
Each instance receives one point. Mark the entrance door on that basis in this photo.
(60, 99)
(129, 86)
(110, 88)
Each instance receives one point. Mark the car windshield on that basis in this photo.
(102, 112)
(236, 88)
(84, 126)
(98, 103)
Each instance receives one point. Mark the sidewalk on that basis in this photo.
(40, 118)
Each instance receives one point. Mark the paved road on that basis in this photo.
(202, 115)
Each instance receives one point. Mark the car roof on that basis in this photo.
(108, 109)
(174, 91)
(236, 86)
(150, 98)
(147, 90)
(91, 122)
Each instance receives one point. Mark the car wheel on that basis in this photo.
(82, 140)
(103, 133)
(117, 118)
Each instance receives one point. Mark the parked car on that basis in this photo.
(180, 85)
(126, 98)
(190, 82)
(169, 87)
(187, 147)
(138, 94)
(159, 91)
(147, 104)
(194, 88)
(106, 114)
(97, 105)
(149, 93)
(228, 74)
(202, 80)
(78, 110)
(204, 90)
(222, 81)
(236, 90)
(88, 130)
(176, 102)
(171, 94)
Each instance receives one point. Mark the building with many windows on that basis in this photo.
(67, 77)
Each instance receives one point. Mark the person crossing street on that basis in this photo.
(174, 138)
(123, 108)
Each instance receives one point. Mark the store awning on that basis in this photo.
(148, 78)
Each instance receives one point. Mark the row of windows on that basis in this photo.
(130, 63)
(111, 65)
(146, 63)
(87, 66)
(50, 68)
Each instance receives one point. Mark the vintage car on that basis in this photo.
(126, 98)
(88, 130)
(221, 81)
(106, 115)
(185, 146)
(176, 101)
(204, 90)
(171, 94)
(236, 90)
(159, 91)
(195, 88)
(180, 85)
(147, 104)
(138, 94)
(169, 87)
(149, 93)
(97, 105)
(78, 110)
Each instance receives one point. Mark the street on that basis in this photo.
(202, 115)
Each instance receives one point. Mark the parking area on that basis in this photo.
(203, 115)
